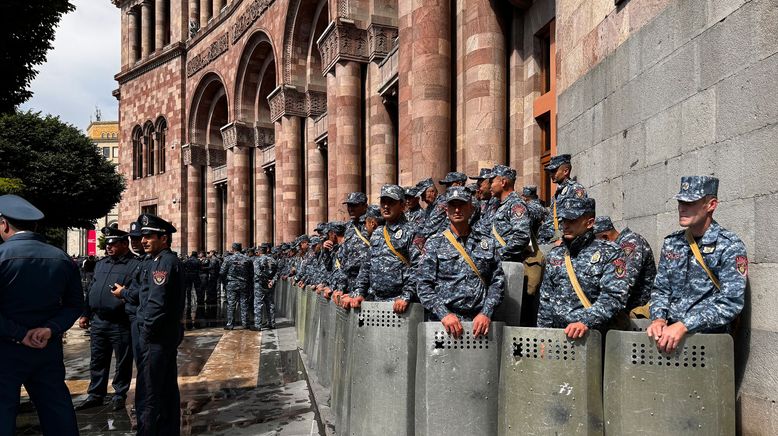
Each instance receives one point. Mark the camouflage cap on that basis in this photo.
(251, 251)
(454, 177)
(339, 227)
(557, 161)
(373, 211)
(424, 185)
(694, 188)
(530, 191)
(602, 224)
(320, 228)
(502, 171)
(572, 208)
(315, 240)
(458, 193)
(472, 187)
(237, 246)
(393, 191)
(482, 174)
(356, 198)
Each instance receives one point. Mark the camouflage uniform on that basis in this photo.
(264, 272)
(600, 268)
(512, 223)
(446, 283)
(682, 289)
(237, 275)
(569, 188)
(383, 276)
(350, 255)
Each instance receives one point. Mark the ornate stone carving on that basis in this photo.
(380, 40)
(201, 60)
(217, 156)
(342, 41)
(286, 101)
(264, 137)
(315, 103)
(247, 18)
(237, 133)
(194, 154)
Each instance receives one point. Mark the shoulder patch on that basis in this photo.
(621, 270)
(741, 263)
(580, 192)
(160, 277)
(628, 247)
(519, 209)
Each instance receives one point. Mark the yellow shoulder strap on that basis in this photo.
(574, 281)
(556, 220)
(361, 236)
(700, 260)
(394, 251)
(463, 253)
(337, 263)
(498, 237)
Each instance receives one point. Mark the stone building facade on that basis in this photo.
(249, 120)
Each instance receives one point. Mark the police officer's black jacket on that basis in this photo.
(108, 271)
(131, 293)
(40, 286)
(161, 299)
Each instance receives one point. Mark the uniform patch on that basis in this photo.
(596, 257)
(484, 244)
(671, 255)
(145, 220)
(580, 193)
(628, 248)
(564, 190)
(708, 249)
(557, 261)
(160, 277)
(621, 268)
(398, 234)
(685, 186)
(519, 210)
(742, 265)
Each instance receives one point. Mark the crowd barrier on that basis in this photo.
(396, 374)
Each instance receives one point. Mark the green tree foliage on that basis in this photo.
(61, 170)
(11, 186)
(28, 30)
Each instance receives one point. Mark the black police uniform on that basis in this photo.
(110, 325)
(159, 321)
(40, 286)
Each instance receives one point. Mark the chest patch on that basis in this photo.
(596, 257)
(160, 277)
(708, 249)
(556, 261)
(671, 255)
(484, 244)
(398, 234)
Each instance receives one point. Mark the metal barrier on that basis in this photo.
(509, 311)
(325, 340)
(300, 317)
(457, 381)
(384, 369)
(639, 325)
(691, 391)
(550, 384)
(343, 421)
(312, 330)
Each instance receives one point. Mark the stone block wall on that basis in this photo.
(693, 91)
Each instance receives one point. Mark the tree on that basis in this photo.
(60, 169)
(28, 30)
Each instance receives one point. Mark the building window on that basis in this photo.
(107, 152)
(137, 153)
(161, 143)
(149, 149)
(544, 106)
(115, 152)
(150, 209)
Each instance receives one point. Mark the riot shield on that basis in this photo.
(326, 330)
(550, 384)
(339, 358)
(300, 318)
(691, 391)
(509, 311)
(384, 370)
(457, 381)
(346, 373)
(314, 333)
(639, 325)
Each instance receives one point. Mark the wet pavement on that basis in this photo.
(235, 382)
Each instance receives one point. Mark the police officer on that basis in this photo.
(459, 275)
(354, 246)
(437, 219)
(641, 269)
(585, 279)
(701, 280)
(41, 299)
(192, 284)
(413, 211)
(387, 271)
(238, 277)
(537, 213)
(130, 294)
(212, 288)
(264, 278)
(159, 322)
(559, 168)
(373, 217)
(110, 325)
(511, 222)
(534, 263)
(487, 203)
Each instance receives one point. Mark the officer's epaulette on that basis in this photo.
(676, 234)
(732, 236)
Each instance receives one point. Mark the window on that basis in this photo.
(137, 153)
(161, 143)
(107, 152)
(115, 152)
(149, 142)
(544, 106)
(150, 209)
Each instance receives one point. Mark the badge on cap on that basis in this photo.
(145, 220)
(106, 231)
(484, 244)
(398, 234)
(685, 186)
(596, 257)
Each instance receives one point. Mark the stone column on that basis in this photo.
(348, 118)
(239, 200)
(316, 197)
(194, 14)
(404, 73)
(289, 177)
(382, 157)
(430, 87)
(212, 206)
(205, 12)
(264, 206)
(229, 217)
(147, 29)
(484, 81)
(161, 31)
(217, 7)
(194, 221)
(133, 35)
(333, 201)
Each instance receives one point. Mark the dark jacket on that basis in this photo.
(108, 271)
(162, 299)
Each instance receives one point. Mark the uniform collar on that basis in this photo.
(396, 225)
(511, 195)
(121, 259)
(26, 236)
(156, 258)
(579, 243)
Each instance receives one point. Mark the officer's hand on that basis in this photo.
(327, 293)
(270, 284)
(671, 337)
(117, 289)
(576, 330)
(336, 297)
(356, 302)
(83, 322)
(345, 301)
(655, 330)
(452, 325)
(481, 325)
(400, 306)
(327, 245)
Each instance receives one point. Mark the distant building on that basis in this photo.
(105, 135)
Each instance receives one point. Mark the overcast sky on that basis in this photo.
(78, 73)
